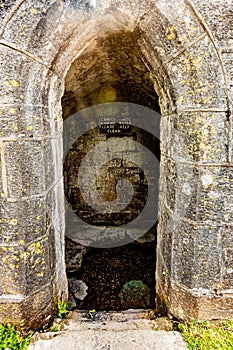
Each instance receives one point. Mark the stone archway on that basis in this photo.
(195, 214)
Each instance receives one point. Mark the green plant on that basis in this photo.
(48, 328)
(166, 273)
(54, 329)
(208, 335)
(12, 339)
(62, 308)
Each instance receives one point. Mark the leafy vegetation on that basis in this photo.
(208, 335)
(11, 339)
(62, 308)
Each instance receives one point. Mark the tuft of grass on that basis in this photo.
(208, 335)
(62, 308)
(12, 339)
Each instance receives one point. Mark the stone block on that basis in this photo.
(164, 239)
(50, 205)
(215, 195)
(196, 136)
(22, 221)
(37, 265)
(186, 191)
(25, 268)
(126, 6)
(228, 268)
(5, 8)
(52, 161)
(12, 270)
(58, 196)
(52, 248)
(166, 132)
(21, 26)
(183, 253)
(55, 207)
(196, 253)
(179, 186)
(168, 180)
(190, 305)
(197, 77)
(37, 27)
(2, 168)
(60, 278)
(22, 79)
(39, 308)
(207, 270)
(11, 310)
(169, 29)
(228, 64)
(25, 121)
(165, 90)
(226, 233)
(163, 275)
(24, 167)
(218, 16)
(182, 302)
(30, 312)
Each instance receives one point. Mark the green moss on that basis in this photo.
(135, 294)
(208, 335)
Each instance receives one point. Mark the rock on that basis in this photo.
(74, 255)
(78, 288)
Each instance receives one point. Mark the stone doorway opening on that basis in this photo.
(190, 64)
(116, 276)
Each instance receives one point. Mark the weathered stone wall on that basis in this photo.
(187, 46)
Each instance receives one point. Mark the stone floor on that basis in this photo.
(128, 330)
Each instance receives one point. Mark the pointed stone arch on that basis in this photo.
(39, 42)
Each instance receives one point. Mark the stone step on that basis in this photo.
(129, 330)
(112, 340)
